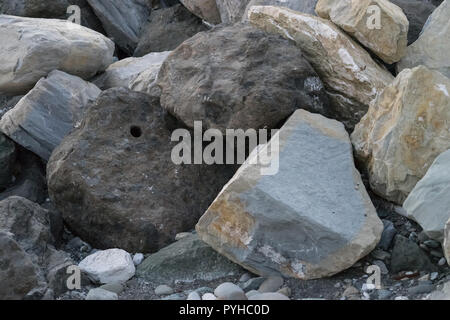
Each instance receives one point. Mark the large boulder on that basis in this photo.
(7, 158)
(167, 29)
(429, 203)
(404, 132)
(125, 72)
(231, 11)
(312, 219)
(433, 45)
(388, 40)
(186, 260)
(305, 6)
(351, 77)
(32, 48)
(42, 118)
(417, 12)
(114, 181)
(204, 9)
(254, 81)
(122, 20)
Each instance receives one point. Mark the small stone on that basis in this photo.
(388, 235)
(434, 276)
(163, 290)
(432, 244)
(271, 284)
(229, 291)
(351, 293)
(368, 287)
(116, 287)
(209, 296)
(138, 258)
(175, 296)
(285, 291)
(245, 277)
(442, 262)
(252, 284)
(424, 278)
(421, 289)
(269, 296)
(384, 294)
(401, 298)
(101, 294)
(252, 293)
(437, 253)
(193, 296)
(182, 235)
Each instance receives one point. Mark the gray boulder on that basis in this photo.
(310, 219)
(167, 29)
(429, 202)
(407, 256)
(114, 181)
(433, 45)
(249, 83)
(204, 9)
(7, 158)
(122, 20)
(32, 48)
(186, 260)
(42, 118)
(305, 6)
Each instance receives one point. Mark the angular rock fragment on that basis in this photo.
(205, 9)
(304, 6)
(231, 11)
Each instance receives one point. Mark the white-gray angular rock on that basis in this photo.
(124, 73)
(32, 48)
(101, 294)
(42, 118)
(108, 266)
(305, 6)
(429, 202)
(433, 45)
(312, 219)
(122, 20)
(163, 290)
(138, 258)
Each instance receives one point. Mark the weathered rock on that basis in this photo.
(272, 284)
(404, 131)
(122, 20)
(138, 74)
(229, 291)
(231, 11)
(388, 235)
(108, 266)
(352, 79)
(249, 83)
(101, 294)
(407, 256)
(388, 40)
(442, 293)
(167, 29)
(433, 45)
(311, 219)
(31, 48)
(429, 202)
(163, 290)
(417, 13)
(169, 264)
(42, 118)
(446, 244)
(7, 103)
(158, 199)
(7, 158)
(204, 9)
(116, 287)
(304, 6)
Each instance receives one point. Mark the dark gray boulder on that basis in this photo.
(114, 181)
(239, 77)
(407, 256)
(167, 29)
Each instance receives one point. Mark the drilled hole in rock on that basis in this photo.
(135, 131)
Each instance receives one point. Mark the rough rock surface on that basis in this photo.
(351, 78)
(433, 45)
(305, 6)
(32, 48)
(146, 81)
(108, 266)
(42, 118)
(429, 203)
(231, 11)
(312, 219)
(185, 260)
(446, 244)
(7, 158)
(204, 9)
(124, 73)
(404, 132)
(388, 40)
(167, 29)
(407, 256)
(114, 181)
(417, 12)
(249, 83)
(101, 294)
(122, 20)
(442, 294)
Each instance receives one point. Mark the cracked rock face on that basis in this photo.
(205, 9)
(312, 219)
(387, 40)
(350, 75)
(32, 48)
(405, 130)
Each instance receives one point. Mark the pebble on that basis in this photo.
(175, 297)
(271, 284)
(401, 298)
(252, 284)
(245, 277)
(269, 296)
(432, 244)
(442, 262)
(182, 235)
(384, 294)
(229, 291)
(115, 287)
(368, 287)
(286, 291)
(209, 296)
(101, 294)
(138, 258)
(424, 278)
(434, 276)
(351, 293)
(421, 289)
(252, 293)
(193, 296)
(163, 290)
